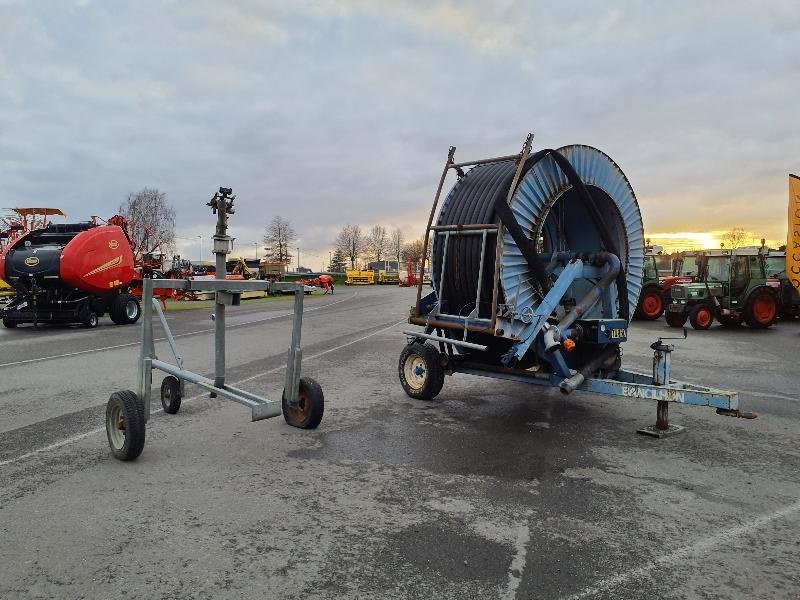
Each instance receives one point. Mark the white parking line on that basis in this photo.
(91, 432)
(180, 335)
(680, 557)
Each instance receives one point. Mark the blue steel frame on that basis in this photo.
(628, 384)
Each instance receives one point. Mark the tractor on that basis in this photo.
(788, 296)
(651, 299)
(731, 286)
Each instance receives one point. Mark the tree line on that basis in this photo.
(352, 245)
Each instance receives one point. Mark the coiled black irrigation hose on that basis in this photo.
(480, 197)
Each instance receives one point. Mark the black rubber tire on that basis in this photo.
(649, 291)
(129, 409)
(749, 313)
(90, 319)
(675, 319)
(171, 394)
(425, 380)
(120, 306)
(308, 414)
(9, 324)
(696, 317)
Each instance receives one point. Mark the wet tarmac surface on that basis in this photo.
(493, 490)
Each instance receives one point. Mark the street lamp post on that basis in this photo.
(298, 259)
(255, 249)
(200, 237)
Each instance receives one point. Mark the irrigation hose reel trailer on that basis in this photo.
(537, 265)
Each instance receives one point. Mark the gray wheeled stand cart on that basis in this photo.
(127, 412)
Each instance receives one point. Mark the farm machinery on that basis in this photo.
(537, 265)
(656, 287)
(732, 287)
(73, 273)
(788, 296)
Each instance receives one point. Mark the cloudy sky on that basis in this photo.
(342, 111)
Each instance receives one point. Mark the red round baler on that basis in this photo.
(70, 273)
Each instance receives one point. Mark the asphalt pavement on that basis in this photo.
(493, 490)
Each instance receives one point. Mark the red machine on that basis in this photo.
(71, 273)
(412, 279)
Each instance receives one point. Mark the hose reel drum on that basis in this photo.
(569, 204)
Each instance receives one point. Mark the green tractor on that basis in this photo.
(651, 299)
(788, 296)
(732, 287)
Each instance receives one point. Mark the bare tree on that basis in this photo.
(412, 251)
(396, 244)
(151, 220)
(377, 242)
(736, 237)
(278, 238)
(351, 242)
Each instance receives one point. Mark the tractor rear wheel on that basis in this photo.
(651, 304)
(761, 309)
(701, 317)
(420, 370)
(676, 319)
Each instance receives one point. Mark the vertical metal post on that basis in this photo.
(480, 273)
(295, 355)
(147, 351)
(222, 205)
(661, 366)
(219, 324)
(450, 154)
(442, 273)
(661, 377)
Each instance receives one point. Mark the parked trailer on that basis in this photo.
(537, 266)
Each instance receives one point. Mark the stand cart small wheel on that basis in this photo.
(310, 405)
(171, 394)
(125, 425)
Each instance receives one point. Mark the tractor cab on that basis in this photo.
(731, 286)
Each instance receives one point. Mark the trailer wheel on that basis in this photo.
(311, 405)
(420, 370)
(171, 394)
(125, 309)
(651, 304)
(701, 316)
(90, 319)
(9, 323)
(125, 425)
(676, 319)
(761, 309)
